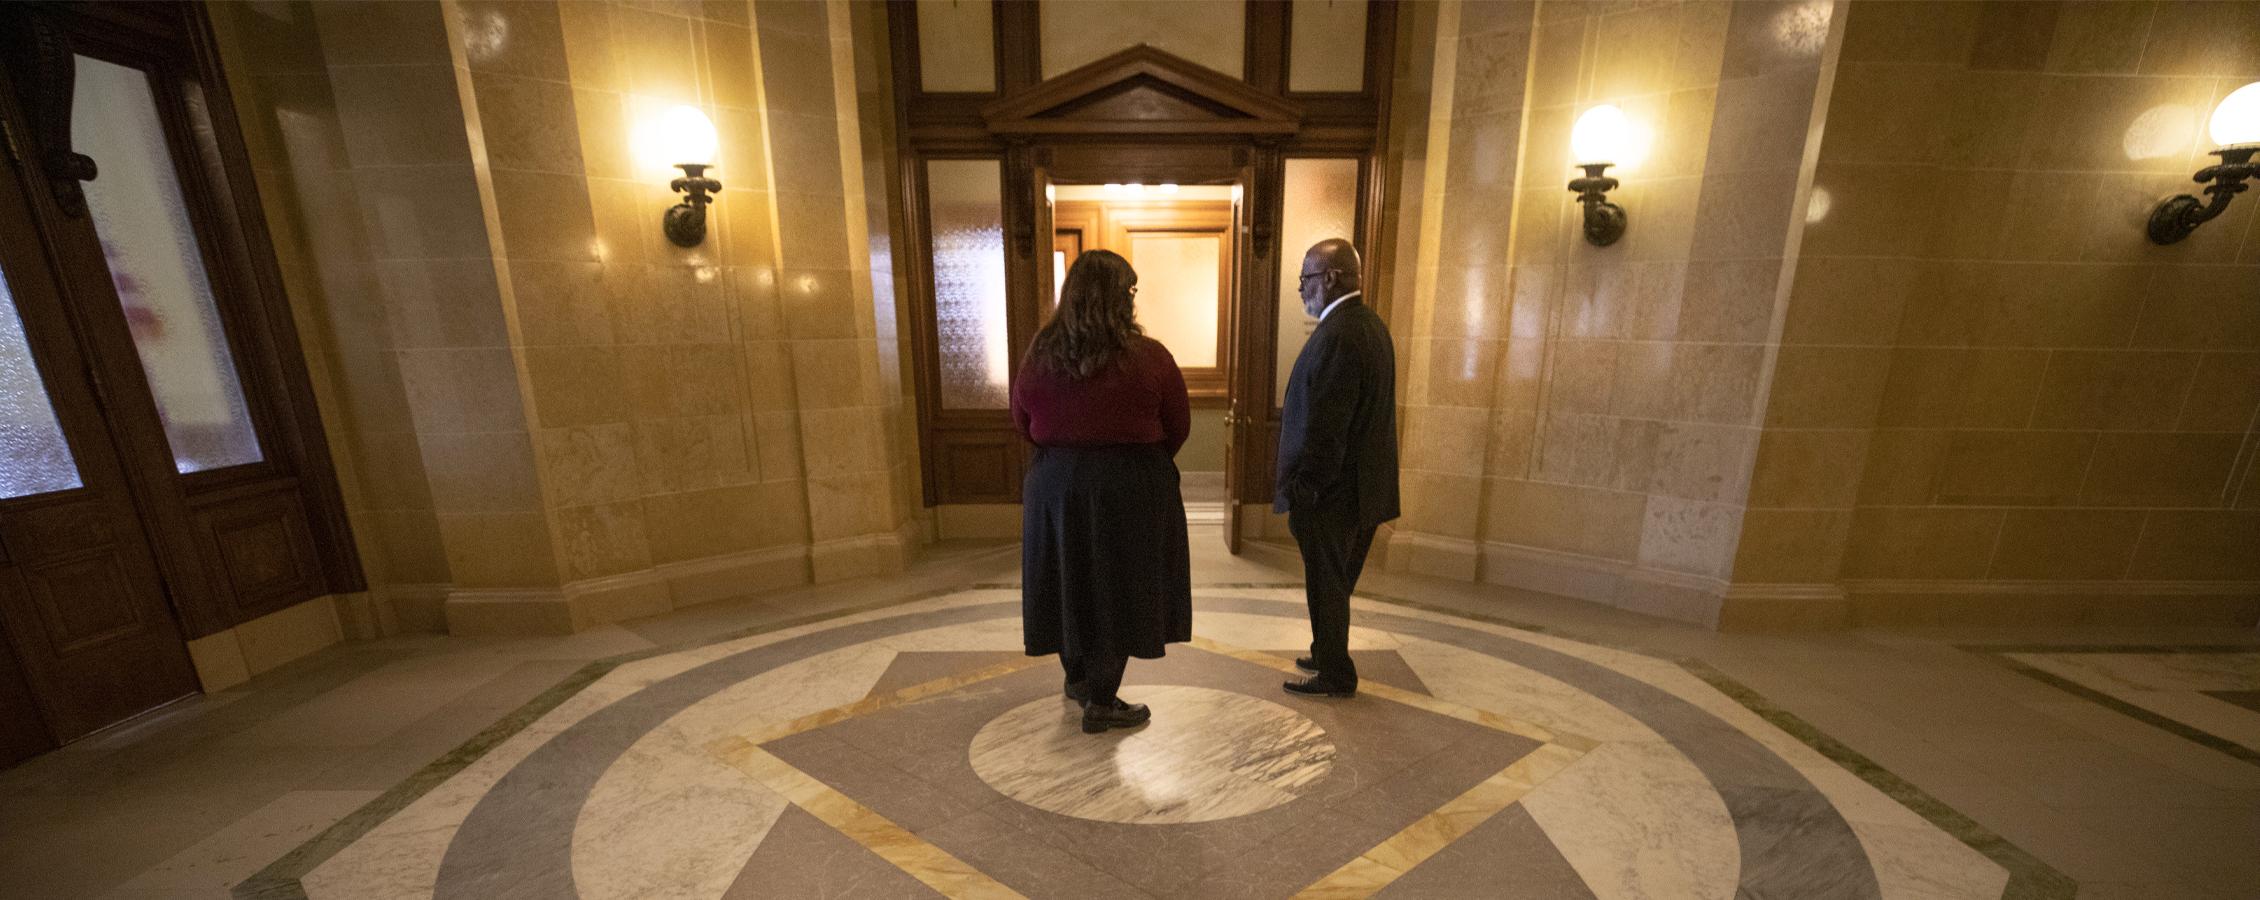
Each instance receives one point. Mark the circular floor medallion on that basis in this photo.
(1207, 755)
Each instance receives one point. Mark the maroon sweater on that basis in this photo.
(1138, 400)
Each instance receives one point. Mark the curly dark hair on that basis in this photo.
(1095, 321)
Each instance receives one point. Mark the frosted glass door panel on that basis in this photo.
(1318, 201)
(34, 458)
(143, 222)
(966, 203)
(1177, 293)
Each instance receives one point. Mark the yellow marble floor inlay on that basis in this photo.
(1369, 872)
(906, 851)
(1376, 868)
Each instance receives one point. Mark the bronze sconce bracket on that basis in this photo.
(1604, 221)
(2177, 217)
(685, 222)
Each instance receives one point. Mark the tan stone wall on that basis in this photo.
(1998, 399)
(1583, 419)
(592, 422)
(1885, 340)
(290, 83)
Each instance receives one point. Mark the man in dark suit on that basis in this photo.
(1337, 455)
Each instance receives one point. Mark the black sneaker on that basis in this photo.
(1098, 717)
(1078, 692)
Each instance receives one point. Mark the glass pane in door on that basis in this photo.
(143, 222)
(967, 225)
(34, 458)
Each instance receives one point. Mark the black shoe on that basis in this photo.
(1098, 717)
(1078, 692)
(1320, 685)
(1307, 664)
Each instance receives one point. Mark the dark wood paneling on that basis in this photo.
(263, 549)
(23, 731)
(173, 43)
(82, 605)
(84, 601)
(1140, 115)
(978, 466)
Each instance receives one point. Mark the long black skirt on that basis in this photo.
(1103, 563)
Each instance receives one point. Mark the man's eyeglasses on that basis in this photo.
(1307, 276)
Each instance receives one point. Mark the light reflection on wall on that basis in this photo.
(486, 33)
(2161, 131)
(1818, 205)
(1802, 30)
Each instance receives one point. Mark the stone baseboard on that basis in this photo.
(858, 557)
(1694, 599)
(1762, 607)
(734, 575)
(410, 608)
(2220, 603)
(228, 658)
(649, 592)
(1435, 556)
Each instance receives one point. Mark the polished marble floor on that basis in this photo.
(887, 739)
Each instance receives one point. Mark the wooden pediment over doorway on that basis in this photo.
(1143, 91)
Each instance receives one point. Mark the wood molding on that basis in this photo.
(1177, 97)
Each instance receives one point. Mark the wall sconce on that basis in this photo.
(2236, 127)
(1600, 139)
(685, 135)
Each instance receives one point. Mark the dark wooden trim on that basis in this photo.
(1381, 18)
(1368, 102)
(918, 238)
(1020, 59)
(1241, 133)
(1264, 59)
(301, 436)
(1245, 110)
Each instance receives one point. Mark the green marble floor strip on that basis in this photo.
(2001, 654)
(283, 879)
(2029, 877)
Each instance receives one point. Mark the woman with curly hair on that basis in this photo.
(1104, 568)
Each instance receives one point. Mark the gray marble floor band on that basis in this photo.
(517, 842)
(1794, 842)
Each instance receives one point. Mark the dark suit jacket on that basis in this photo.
(1338, 433)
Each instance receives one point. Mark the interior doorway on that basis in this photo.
(983, 159)
(1179, 239)
(164, 474)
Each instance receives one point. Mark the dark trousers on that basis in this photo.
(1101, 672)
(1334, 547)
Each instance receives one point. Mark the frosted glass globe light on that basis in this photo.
(687, 137)
(1601, 135)
(2237, 119)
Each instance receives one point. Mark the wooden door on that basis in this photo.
(141, 196)
(1235, 430)
(81, 601)
(23, 730)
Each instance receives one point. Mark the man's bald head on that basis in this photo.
(1331, 268)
